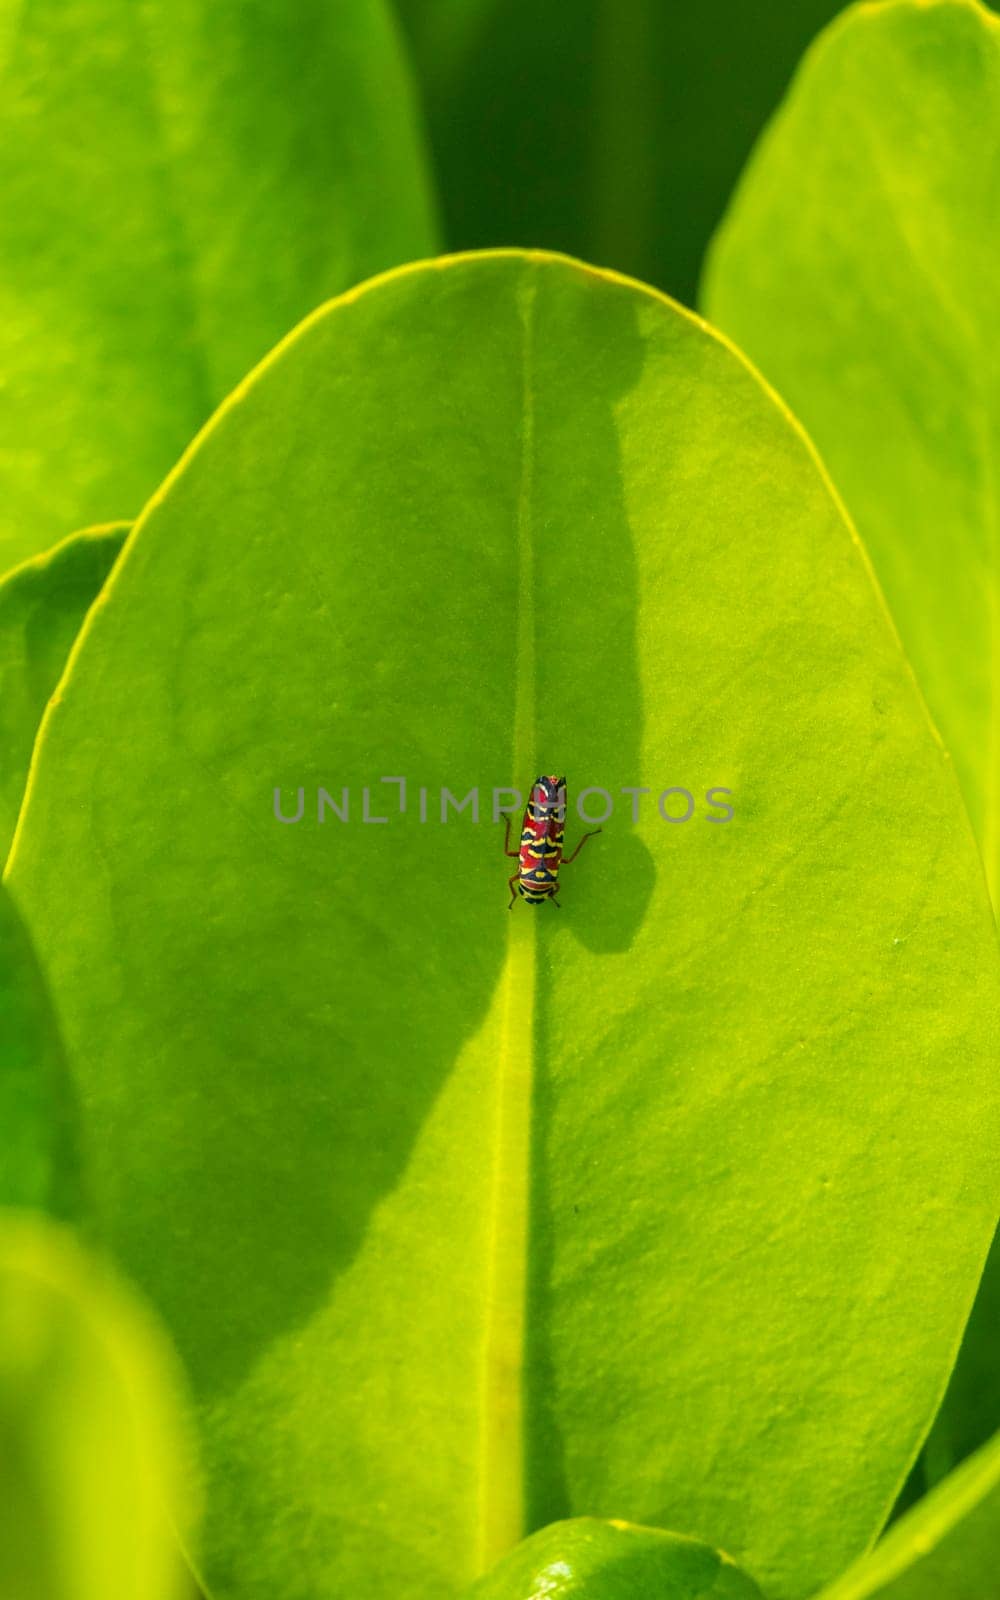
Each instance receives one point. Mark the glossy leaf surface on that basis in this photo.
(180, 182)
(476, 1218)
(589, 1560)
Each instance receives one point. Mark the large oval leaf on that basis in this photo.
(477, 1218)
(180, 181)
(94, 1462)
(39, 1155)
(856, 267)
(590, 1560)
(42, 605)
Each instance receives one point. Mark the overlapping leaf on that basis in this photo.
(667, 1206)
(42, 606)
(856, 267)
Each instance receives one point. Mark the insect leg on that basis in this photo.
(567, 859)
(511, 884)
(506, 840)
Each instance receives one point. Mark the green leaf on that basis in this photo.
(443, 35)
(856, 268)
(180, 181)
(42, 605)
(589, 1560)
(93, 1457)
(614, 129)
(477, 1219)
(946, 1548)
(39, 1159)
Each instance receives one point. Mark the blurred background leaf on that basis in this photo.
(42, 605)
(667, 1205)
(611, 129)
(96, 1470)
(180, 182)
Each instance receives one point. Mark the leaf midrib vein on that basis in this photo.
(501, 1520)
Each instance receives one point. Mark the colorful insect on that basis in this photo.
(541, 853)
